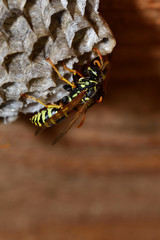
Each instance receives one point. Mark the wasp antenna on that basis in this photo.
(100, 56)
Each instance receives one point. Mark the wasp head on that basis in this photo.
(96, 70)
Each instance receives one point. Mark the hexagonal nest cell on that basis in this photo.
(31, 31)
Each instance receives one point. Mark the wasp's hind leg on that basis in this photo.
(62, 78)
(46, 105)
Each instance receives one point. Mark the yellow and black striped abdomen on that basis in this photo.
(40, 118)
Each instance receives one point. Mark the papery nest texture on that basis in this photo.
(33, 30)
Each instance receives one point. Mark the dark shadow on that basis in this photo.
(29, 4)
(78, 39)
(55, 24)
(134, 83)
(12, 17)
(9, 58)
(71, 7)
(38, 48)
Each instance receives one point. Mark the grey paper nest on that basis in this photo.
(32, 30)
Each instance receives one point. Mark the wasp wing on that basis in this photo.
(82, 109)
(62, 113)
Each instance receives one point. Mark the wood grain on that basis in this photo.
(101, 182)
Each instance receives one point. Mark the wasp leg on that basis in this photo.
(106, 64)
(82, 121)
(100, 56)
(62, 78)
(72, 70)
(5, 145)
(47, 106)
(99, 100)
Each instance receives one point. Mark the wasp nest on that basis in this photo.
(33, 30)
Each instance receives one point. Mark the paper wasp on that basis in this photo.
(84, 91)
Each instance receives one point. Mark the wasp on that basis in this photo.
(83, 92)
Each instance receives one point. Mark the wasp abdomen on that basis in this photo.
(40, 118)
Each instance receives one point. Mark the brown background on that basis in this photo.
(101, 182)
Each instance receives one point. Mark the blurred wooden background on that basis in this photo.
(101, 182)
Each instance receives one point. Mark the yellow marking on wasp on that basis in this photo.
(92, 71)
(38, 118)
(87, 98)
(82, 85)
(33, 120)
(43, 115)
(75, 95)
(49, 111)
(81, 79)
(92, 81)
